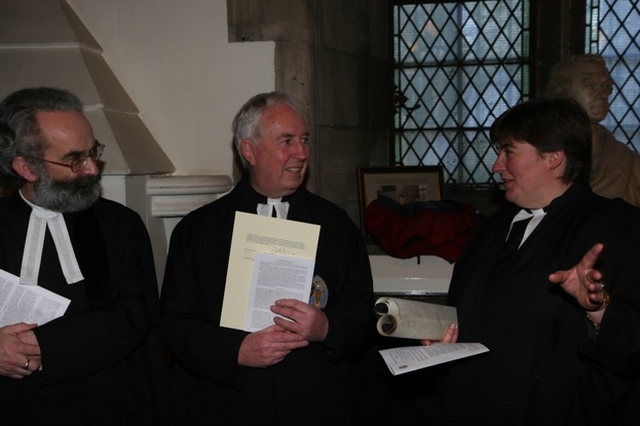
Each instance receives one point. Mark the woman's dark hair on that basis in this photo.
(557, 124)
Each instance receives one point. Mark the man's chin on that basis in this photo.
(68, 197)
(295, 180)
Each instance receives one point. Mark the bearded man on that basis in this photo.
(95, 364)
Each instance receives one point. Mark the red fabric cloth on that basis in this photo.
(439, 228)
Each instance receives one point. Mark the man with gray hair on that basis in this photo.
(90, 365)
(615, 168)
(294, 371)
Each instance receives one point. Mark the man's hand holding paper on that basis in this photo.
(303, 319)
(16, 356)
(268, 347)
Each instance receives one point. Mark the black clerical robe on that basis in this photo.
(546, 366)
(311, 385)
(100, 364)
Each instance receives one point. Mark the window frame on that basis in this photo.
(525, 93)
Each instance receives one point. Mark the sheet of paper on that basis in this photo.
(411, 358)
(253, 234)
(276, 277)
(28, 303)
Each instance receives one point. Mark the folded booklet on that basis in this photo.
(412, 358)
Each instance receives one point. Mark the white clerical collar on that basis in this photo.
(281, 208)
(32, 255)
(536, 216)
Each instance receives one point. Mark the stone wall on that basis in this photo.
(332, 58)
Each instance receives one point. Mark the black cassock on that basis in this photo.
(546, 365)
(101, 364)
(311, 385)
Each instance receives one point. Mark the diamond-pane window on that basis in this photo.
(613, 31)
(458, 66)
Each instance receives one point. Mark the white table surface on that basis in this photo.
(393, 276)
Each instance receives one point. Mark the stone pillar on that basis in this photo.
(332, 58)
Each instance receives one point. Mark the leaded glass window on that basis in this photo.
(613, 31)
(458, 66)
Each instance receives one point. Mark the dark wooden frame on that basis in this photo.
(419, 183)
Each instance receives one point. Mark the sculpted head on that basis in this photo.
(586, 79)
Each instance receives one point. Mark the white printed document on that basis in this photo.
(28, 303)
(276, 277)
(255, 281)
(411, 358)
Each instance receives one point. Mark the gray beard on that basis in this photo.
(66, 196)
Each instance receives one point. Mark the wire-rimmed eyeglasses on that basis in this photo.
(78, 162)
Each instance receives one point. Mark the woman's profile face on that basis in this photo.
(525, 174)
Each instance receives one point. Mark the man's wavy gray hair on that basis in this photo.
(246, 124)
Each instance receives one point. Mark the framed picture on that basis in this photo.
(405, 184)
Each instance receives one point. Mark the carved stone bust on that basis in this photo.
(615, 168)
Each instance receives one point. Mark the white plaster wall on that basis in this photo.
(174, 60)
